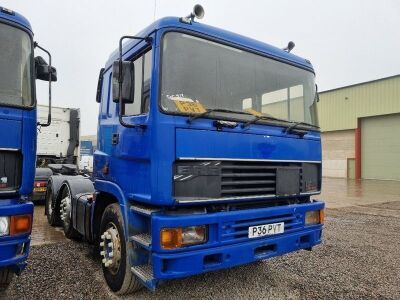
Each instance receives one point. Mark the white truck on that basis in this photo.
(59, 142)
(57, 146)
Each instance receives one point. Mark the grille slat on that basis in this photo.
(244, 167)
(248, 190)
(245, 178)
(240, 182)
(248, 174)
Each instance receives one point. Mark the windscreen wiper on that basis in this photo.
(295, 124)
(263, 117)
(210, 110)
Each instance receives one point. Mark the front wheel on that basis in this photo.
(6, 276)
(115, 258)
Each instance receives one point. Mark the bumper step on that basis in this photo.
(143, 239)
(145, 274)
(144, 210)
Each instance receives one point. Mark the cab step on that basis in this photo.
(145, 274)
(143, 239)
(144, 210)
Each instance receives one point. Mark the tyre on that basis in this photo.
(115, 260)
(6, 276)
(66, 213)
(52, 210)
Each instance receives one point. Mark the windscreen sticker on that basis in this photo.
(254, 112)
(3, 182)
(186, 106)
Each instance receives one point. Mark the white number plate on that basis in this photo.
(267, 229)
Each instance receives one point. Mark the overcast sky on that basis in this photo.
(347, 41)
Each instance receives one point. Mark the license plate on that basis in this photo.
(267, 229)
(39, 189)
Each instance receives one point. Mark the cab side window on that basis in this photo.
(104, 96)
(141, 103)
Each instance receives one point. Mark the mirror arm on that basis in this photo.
(50, 74)
(147, 39)
(316, 93)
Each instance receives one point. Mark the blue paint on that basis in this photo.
(18, 133)
(16, 19)
(10, 245)
(272, 144)
(139, 166)
(171, 23)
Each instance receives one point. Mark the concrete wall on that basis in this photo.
(337, 147)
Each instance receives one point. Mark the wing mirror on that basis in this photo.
(43, 70)
(47, 72)
(123, 81)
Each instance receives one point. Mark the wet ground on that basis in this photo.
(336, 193)
(42, 232)
(359, 259)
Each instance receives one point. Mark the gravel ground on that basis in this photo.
(360, 258)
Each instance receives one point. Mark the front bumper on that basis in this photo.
(14, 250)
(228, 244)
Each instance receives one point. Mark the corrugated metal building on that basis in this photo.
(360, 127)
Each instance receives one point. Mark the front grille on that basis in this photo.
(10, 170)
(251, 178)
(198, 180)
(238, 230)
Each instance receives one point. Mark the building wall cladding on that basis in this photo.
(339, 109)
(337, 148)
(340, 112)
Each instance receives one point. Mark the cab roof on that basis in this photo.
(12, 17)
(217, 33)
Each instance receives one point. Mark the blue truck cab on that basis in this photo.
(208, 156)
(18, 70)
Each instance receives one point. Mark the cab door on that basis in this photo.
(132, 145)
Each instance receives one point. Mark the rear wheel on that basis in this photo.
(66, 214)
(114, 252)
(52, 216)
(6, 276)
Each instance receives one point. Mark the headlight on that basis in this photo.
(4, 226)
(315, 217)
(172, 238)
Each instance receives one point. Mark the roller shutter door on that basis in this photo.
(380, 147)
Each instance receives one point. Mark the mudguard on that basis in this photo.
(81, 190)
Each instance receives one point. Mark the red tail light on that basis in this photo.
(40, 184)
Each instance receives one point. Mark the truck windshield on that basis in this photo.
(15, 67)
(223, 77)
